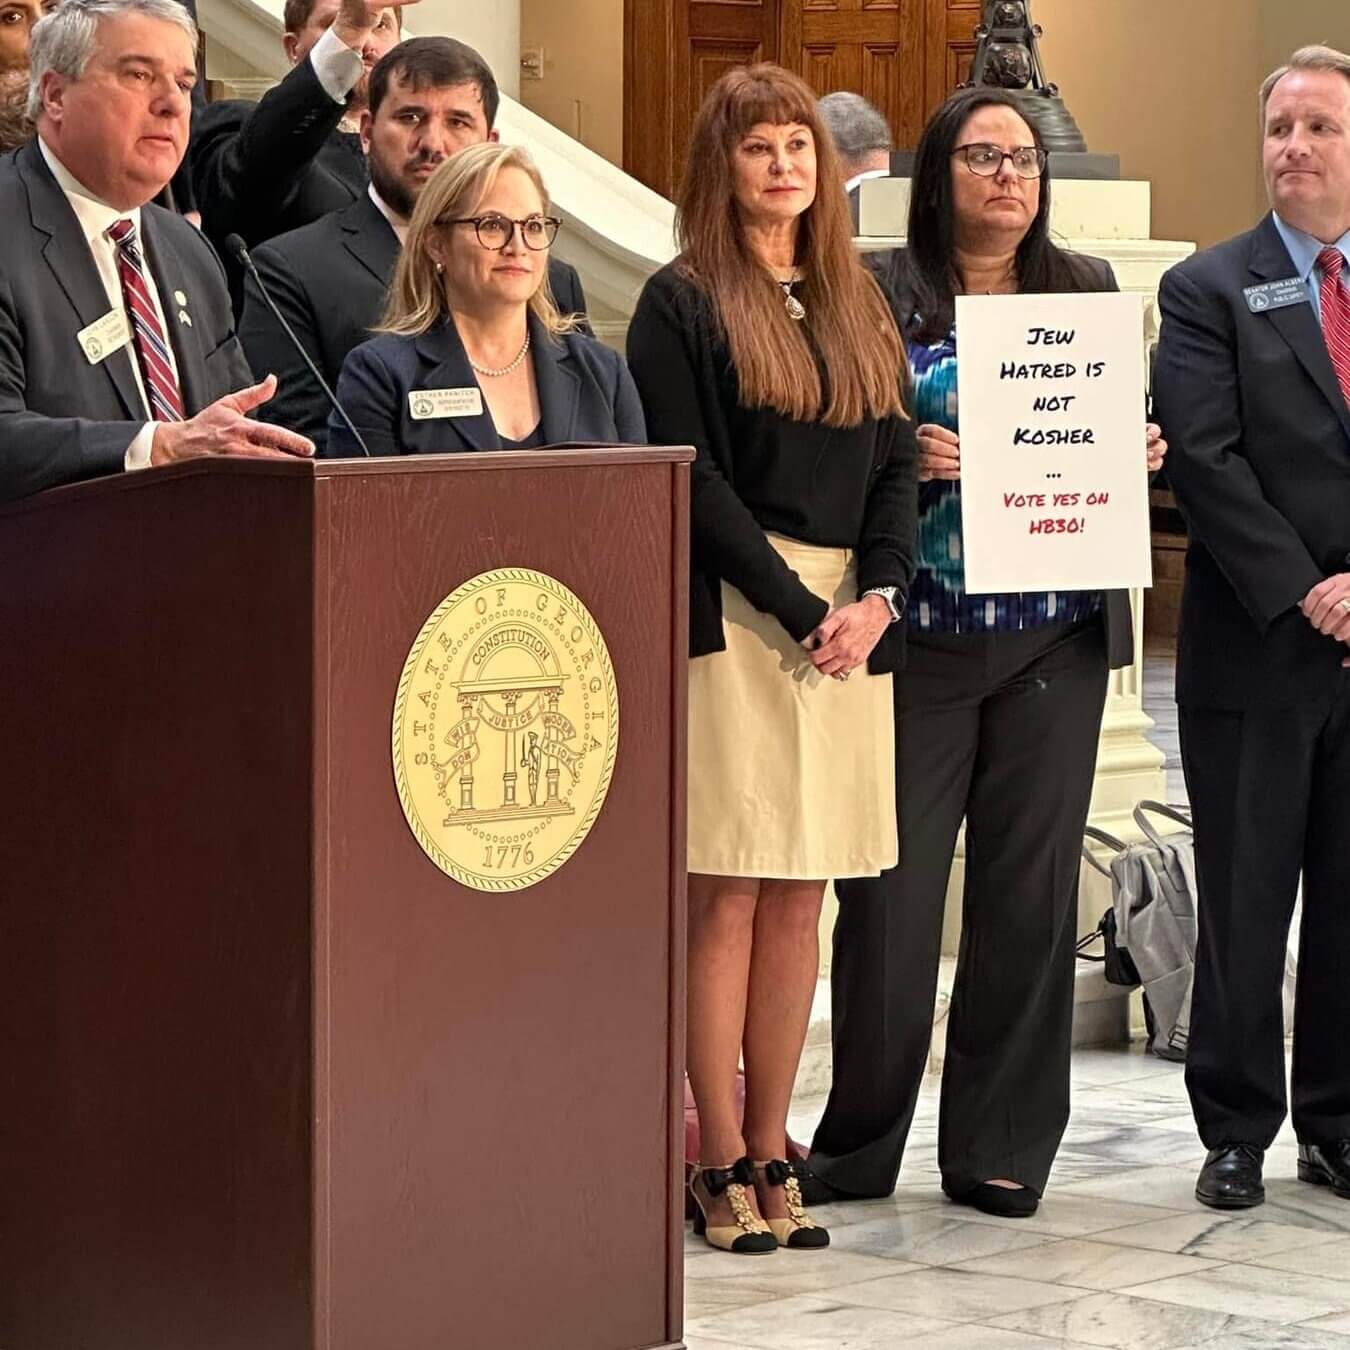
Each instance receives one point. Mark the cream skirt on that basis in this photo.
(791, 773)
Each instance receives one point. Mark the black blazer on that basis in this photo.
(585, 394)
(690, 391)
(1259, 433)
(893, 273)
(260, 169)
(330, 280)
(62, 419)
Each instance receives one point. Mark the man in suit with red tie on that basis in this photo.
(117, 346)
(1253, 386)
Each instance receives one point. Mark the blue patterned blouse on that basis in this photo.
(938, 602)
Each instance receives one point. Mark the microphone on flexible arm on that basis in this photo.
(238, 250)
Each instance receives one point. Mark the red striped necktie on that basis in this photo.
(152, 347)
(1336, 313)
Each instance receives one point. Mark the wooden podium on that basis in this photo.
(272, 1080)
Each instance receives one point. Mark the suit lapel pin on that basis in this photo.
(184, 317)
(179, 298)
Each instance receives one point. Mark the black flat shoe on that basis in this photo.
(1326, 1165)
(815, 1189)
(1000, 1201)
(1231, 1177)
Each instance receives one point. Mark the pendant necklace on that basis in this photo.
(795, 308)
(505, 370)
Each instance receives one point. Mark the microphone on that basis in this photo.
(238, 250)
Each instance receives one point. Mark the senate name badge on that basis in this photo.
(506, 728)
(100, 339)
(1276, 295)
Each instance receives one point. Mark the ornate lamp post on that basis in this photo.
(1009, 57)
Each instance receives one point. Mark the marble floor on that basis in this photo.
(1120, 1255)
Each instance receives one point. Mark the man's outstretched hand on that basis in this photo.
(225, 428)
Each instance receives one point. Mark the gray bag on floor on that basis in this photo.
(1154, 906)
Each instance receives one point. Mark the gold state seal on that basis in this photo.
(506, 726)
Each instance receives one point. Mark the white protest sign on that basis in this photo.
(1054, 487)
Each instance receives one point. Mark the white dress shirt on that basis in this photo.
(337, 67)
(396, 221)
(863, 177)
(96, 218)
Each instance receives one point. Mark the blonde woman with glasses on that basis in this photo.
(472, 353)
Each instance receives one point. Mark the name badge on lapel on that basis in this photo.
(1276, 295)
(427, 404)
(104, 336)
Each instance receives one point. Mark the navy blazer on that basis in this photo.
(62, 419)
(585, 394)
(330, 280)
(1260, 463)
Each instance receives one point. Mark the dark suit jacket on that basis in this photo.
(330, 280)
(892, 272)
(585, 394)
(62, 419)
(1259, 433)
(260, 169)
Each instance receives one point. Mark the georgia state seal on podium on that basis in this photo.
(506, 728)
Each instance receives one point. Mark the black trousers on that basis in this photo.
(1270, 794)
(1000, 729)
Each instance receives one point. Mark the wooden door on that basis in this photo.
(871, 47)
(903, 55)
(951, 26)
(711, 38)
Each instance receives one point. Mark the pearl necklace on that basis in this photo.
(505, 370)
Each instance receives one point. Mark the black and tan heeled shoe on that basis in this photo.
(749, 1235)
(799, 1230)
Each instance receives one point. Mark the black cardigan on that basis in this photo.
(757, 471)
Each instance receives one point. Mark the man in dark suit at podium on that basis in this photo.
(428, 98)
(1253, 387)
(260, 169)
(117, 348)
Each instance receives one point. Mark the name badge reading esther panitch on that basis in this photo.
(104, 336)
(1276, 295)
(426, 404)
(506, 728)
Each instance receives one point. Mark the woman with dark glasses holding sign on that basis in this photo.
(472, 353)
(997, 719)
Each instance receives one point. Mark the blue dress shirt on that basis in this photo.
(1304, 250)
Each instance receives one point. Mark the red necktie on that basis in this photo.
(152, 348)
(1336, 313)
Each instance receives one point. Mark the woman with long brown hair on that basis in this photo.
(768, 347)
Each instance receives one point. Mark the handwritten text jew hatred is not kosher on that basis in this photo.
(1054, 489)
